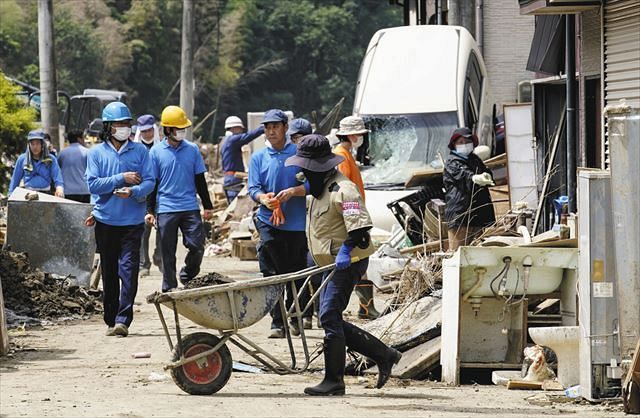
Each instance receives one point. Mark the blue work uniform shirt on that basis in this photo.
(267, 173)
(231, 153)
(105, 168)
(73, 164)
(40, 178)
(175, 170)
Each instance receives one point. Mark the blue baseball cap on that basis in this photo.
(274, 115)
(36, 134)
(146, 122)
(299, 126)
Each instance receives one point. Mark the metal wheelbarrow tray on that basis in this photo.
(201, 362)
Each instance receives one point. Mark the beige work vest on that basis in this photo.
(330, 217)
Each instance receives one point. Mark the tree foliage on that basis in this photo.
(250, 55)
(16, 121)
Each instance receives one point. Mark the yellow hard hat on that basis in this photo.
(174, 117)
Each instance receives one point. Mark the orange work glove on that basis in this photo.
(277, 217)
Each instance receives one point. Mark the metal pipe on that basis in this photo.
(164, 325)
(480, 272)
(480, 25)
(570, 71)
(439, 12)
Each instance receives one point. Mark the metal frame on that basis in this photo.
(233, 336)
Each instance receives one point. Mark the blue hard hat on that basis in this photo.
(274, 115)
(299, 126)
(115, 112)
(37, 134)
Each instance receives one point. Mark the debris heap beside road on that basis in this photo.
(29, 292)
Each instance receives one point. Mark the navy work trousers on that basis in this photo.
(335, 297)
(193, 237)
(145, 261)
(281, 252)
(119, 248)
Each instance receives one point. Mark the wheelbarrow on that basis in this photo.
(201, 363)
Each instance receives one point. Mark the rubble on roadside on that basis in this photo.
(230, 231)
(31, 293)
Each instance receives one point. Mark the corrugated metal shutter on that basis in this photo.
(622, 52)
(621, 33)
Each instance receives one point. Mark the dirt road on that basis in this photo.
(74, 370)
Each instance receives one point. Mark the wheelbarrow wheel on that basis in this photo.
(206, 375)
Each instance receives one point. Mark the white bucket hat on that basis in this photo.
(233, 121)
(352, 125)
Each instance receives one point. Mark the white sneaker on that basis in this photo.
(144, 272)
(121, 330)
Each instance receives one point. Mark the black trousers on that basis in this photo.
(119, 248)
(281, 252)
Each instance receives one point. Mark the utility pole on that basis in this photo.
(186, 67)
(48, 87)
(480, 24)
(453, 13)
(468, 15)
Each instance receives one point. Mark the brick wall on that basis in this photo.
(507, 41)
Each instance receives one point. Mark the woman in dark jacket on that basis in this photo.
(465, 179)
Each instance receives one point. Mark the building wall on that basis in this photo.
(590, 52)
(507, 41)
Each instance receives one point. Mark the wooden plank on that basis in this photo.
(546, 304)
(546, 237)
(418, 360)
(426, 247)
(450, 352)
(421, 176)
(490, 365)
(244, 249)
(524, 385)
(497, 161)
(561, 243)
(4, 335)
(552, 385)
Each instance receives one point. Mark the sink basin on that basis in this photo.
(545, 277)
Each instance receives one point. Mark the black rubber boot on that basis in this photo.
(334, 358)
(366, 344)
(364, 291)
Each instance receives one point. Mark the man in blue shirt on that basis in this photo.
(179, 171)
(73, 163)
(120, 177)
(148, 135)
(37, 167)
(232, 154)
(283, 247)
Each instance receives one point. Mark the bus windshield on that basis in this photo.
(399, 145)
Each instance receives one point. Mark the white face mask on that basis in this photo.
(180, 134)
(122, 133)
(464, 149)
(358, 142)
